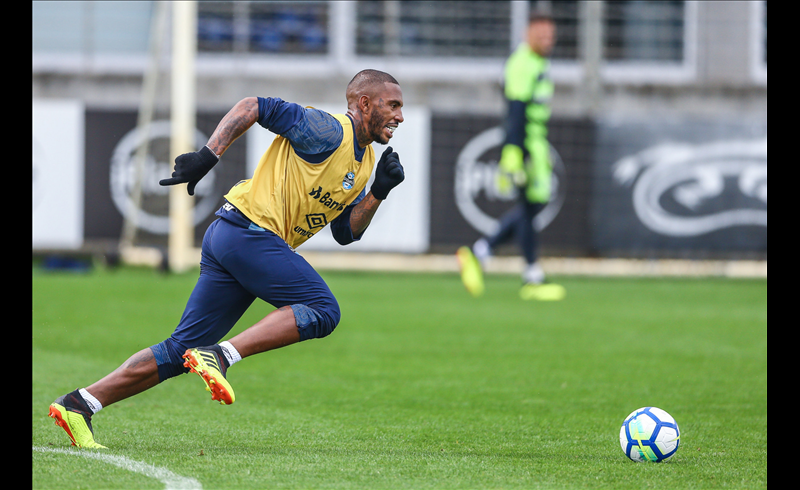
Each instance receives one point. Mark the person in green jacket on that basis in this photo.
(524, 163)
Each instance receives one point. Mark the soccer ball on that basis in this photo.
(649, 434)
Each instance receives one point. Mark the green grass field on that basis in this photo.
(420, 386)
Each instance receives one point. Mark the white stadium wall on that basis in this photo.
(58, 158)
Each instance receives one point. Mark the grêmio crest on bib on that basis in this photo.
(349, 180)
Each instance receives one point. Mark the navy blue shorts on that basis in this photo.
(242, 262)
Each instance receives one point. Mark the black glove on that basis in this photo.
(191, 167)
(388, 174)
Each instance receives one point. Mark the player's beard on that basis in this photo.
(376, 127)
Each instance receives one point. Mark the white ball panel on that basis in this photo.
(662, 415)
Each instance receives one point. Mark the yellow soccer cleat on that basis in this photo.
(76, 423)
(542, 292)
(209, 364)
(471, 271)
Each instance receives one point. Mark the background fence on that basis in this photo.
(659, 117)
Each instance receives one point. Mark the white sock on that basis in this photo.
(533, 274)
(482, 250)
(94, 405)
(231, 354)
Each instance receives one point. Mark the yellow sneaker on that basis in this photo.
(471, 272)
(209, 364)
(543, 292)
(76, 421)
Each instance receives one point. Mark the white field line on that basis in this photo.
(170, 480)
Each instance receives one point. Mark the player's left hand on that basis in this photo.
(191, 167)
(507, 181)
(388, 174)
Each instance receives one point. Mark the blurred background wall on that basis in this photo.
(658, 127)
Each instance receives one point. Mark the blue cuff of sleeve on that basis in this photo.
(340, 227)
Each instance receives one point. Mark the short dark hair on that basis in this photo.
(364, 81)
(540, 16)
(369, 76)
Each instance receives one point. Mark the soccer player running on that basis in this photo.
(315, 172)
(524, 163)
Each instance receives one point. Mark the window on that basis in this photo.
(215, 26)
(91, 28)
(435, 29)
(649, 42)
(644, 31)
(262, 27)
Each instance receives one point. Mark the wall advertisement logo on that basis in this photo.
(475, 175)
(154, 213)
(685, 190)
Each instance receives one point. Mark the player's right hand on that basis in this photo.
(191, 167)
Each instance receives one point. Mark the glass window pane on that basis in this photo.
(644, 30)
(91, 27)
(289, 27)
(442, 28)
(215, 21)
(59, 26)
(370, 33)
(121, 27)
(263, 27)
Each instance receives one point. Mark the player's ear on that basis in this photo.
(364, 103)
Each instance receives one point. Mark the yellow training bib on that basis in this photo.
(296, 199)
